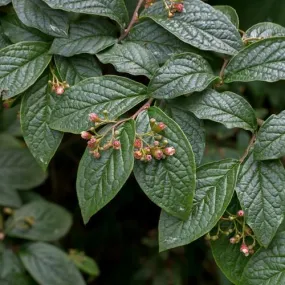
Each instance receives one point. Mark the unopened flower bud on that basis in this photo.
(59, 90)
(207, 236)
(214, 238)
(169, 151)
(156, 143)
(92, 142)
(116, 144)
(251, 251)
(231, 218)
(96, 154)
(152, 121)
(94, 118)
(240, 213)
(233, 240)
(161, 126)
(244, 249)
(86, 135)
(138, 143)
(8, 211)
(148, 157)
(2, 236)
(157, 153)
(138, 154)
(179, 7)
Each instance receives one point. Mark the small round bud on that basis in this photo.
(152, 121)
(156, 143)
(8, 211)
(161, 126)
(244, 249)
(214, 238)
(231, 218)
(94, 117)
(233, 240)
(86, 135)
(240, 213)
(230, 230)
(207, 236)
(59, 90)
(169, 151)
(96, 154)
(92, 142)
(2, 236)
(138, 154)
(117, 133)
(116, 144)
(148, 157)
(179, 7)
(158, 154)
(147, 150)
(251, 251)
(105, 112)
(138, 143)
(158, 138)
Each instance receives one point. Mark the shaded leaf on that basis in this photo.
(265, 30)
(9, 197)
(230, 12)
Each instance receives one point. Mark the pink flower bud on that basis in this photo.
(94, 118)
(161, 126)
(92, 142)
(179, 7)
(169, 151)
(156, 143)
(240, 213)
(116, 144)
(2, 236)
(147, 150)
(86, 135)
(251, 251)
(138, 143)
(233, 240)
(148, 157)
(96, 154)
(244, 249)
(59, 90)
(138, 154)
(158, 154)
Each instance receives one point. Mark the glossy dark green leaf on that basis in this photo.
(214, 191)
(182, 74)
(9, 197)
(170, 183)
(112, 93)
(21, 65)
(49, 222)
(37, 14)
(16, 31)
(192, 127)
(265, 30)
(19, 170)
(226, 108)
(267, 265)
(270, 143)
(89, 35)
(36, 108)
(230, 12)
(130, 58)
(100, 180)
(159, 41)
(200, 25)
(77, 68)
(115, 9)
(268, 66)
(49, 265)
(260, 189)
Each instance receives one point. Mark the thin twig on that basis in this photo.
(252, 141)
(133, 20)
(226, 61)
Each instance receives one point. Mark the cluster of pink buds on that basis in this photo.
(58, 87)
(241, 232)
(158, 150)
(175, 7)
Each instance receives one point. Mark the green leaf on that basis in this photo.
(100, 180)
(130, 58)
(9, 197)
(10, 122)
(36, 108)
(199, 25)
(182, 74)
(19, 170)
(260, 190)
(48, 222)
(37, 14)
(265, 30)
(88, 35)
(159, 41)
(226, 108)
(85, 263)
(30, 196)
(8, 141)
(267, 265)
(170, 183)
(77, 68)
(4, 41)
(21, 65)
(229, 258)
(4, 2)
(192, 127)
(270, 143)
(116, 9)
(214, 191)
(115, 94)
(268, 66)
(229, 12)
(16, 31)
(49, 265)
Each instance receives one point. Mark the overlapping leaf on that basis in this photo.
(21, 65)
(182, 74)
(230, 12)
(112, 93)
(9, 197)
(260, 190)
(170, 183)
(214, 190)
(199, 25)
(99, 180)
(265, 30)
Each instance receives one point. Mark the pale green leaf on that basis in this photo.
(170, 183)
(99, 180)
(200, 25)
(270, 143)
(49, 222)
(182, 74)
(4, 2)
(214, 191)
(260, 189)
(21, 65)
(36, 108)
(226, 108)
(159, 41)
(37, 14)
(263, 60)
(49, 265)
(230, 12)
(88, 35)
(114, 9)
(77, 68)
(112, 93)
(9, 197)
(130, 58)
(265, 30)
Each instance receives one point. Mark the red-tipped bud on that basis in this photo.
(94, 118)
(179, 7)
(161, 126)
(233, 240)
(148, 157)
(116, 144)
(92, 142)
(158, 154)
(96, 154)
(86, 135)
(156, 143)
(240, 213)
(169, 151)
(244, 249)
(59, 90)
(138, 154)
(138, 143)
